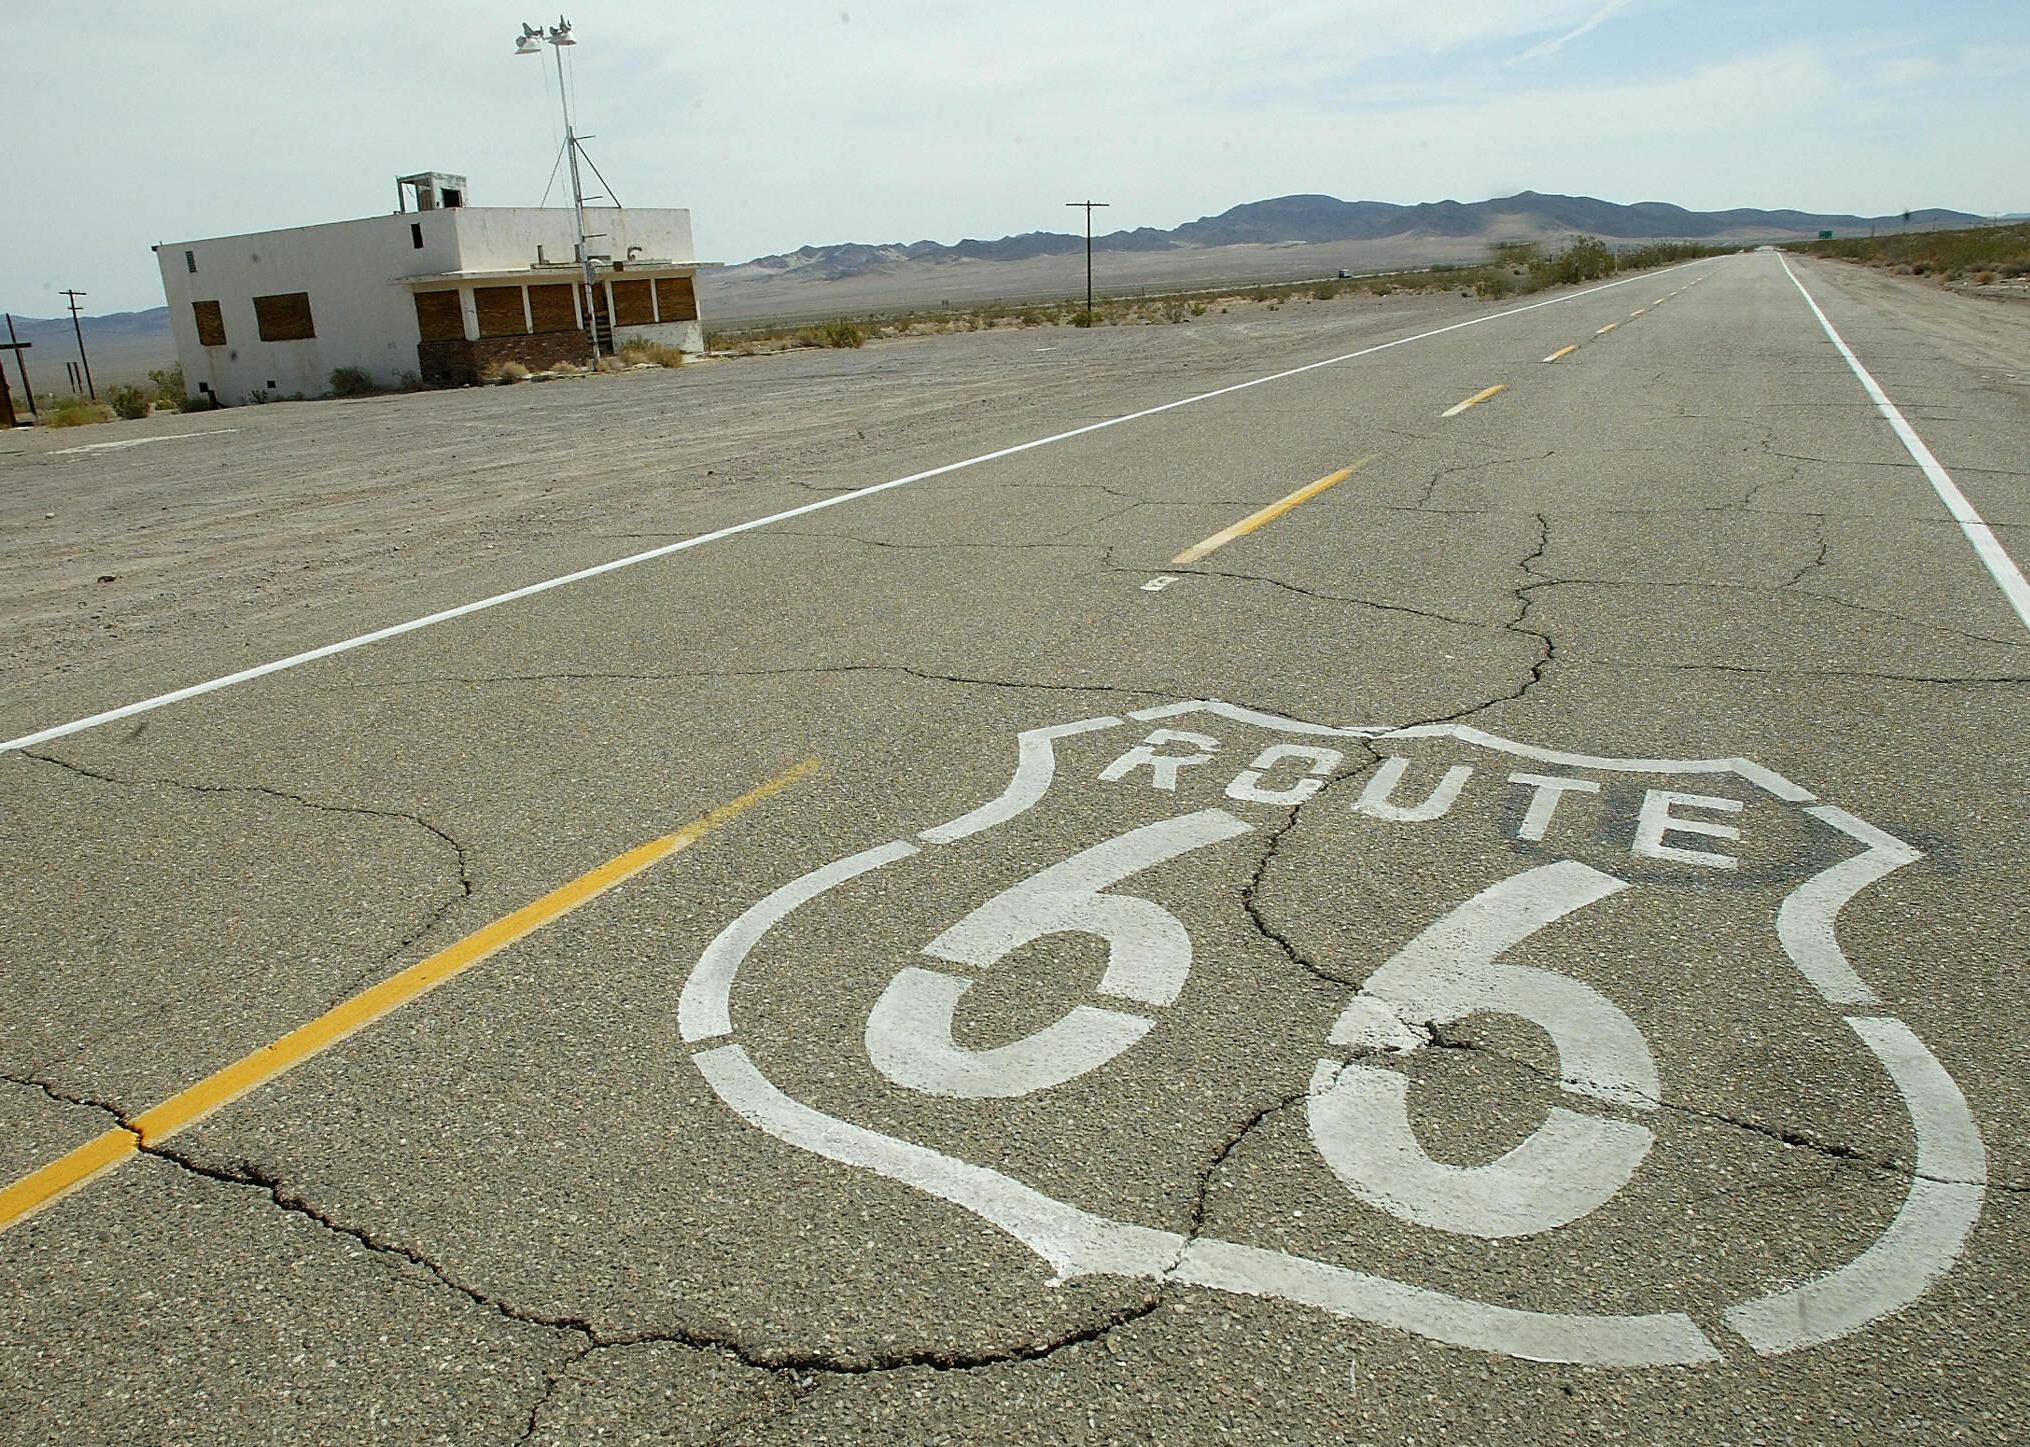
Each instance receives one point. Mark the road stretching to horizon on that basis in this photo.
(1399, 870)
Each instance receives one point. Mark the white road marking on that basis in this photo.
(297, 660)
(1804, 921)
(2001, 567)
(1158, 583)
(1079, 1243)
(1358, 1113)
(138, 442)
(703, 1009)
(1035, 767)
(1929, 1231)
(1455, 957)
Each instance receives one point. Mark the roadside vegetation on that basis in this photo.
(1982, 255)
(1512, 269)
(128, 401)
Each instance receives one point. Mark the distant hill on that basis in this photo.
(122, 347)
(1320, 219)
(1285, 238)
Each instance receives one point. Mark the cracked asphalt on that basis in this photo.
(553, 1200)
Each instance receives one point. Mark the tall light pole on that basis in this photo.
(1089, 206)
(531, 42)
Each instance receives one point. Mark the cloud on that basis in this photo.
(1546, 48)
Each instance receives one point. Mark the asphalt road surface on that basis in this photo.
(1237, 898)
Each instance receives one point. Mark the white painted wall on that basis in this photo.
(353, 272)
(490, 237)
(684, 336)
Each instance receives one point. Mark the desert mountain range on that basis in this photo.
(1286, 238)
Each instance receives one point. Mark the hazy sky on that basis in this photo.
(784, 123)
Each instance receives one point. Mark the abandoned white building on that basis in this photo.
(441, 292)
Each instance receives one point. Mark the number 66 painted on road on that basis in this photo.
(1359, 1113)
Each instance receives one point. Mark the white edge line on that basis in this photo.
(2001, 567)
(297, 660)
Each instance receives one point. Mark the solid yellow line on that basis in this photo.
(1562, 352)
(222, 1087)
(1606, 329)
(1475, 400)
(1267, 515)
(65, 1174)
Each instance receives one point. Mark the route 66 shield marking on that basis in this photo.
(1686, 829)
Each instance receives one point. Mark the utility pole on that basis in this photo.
(17, 346)
(1089, 207)
(78, 327)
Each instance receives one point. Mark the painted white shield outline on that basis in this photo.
(1917, 1248)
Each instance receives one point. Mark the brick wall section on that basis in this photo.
(455, 363)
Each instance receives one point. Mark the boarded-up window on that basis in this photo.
(552, 309)
(284, 318)
(500, 311)
(211, 323)
(633, 304)
(439, 317)
(676, 299)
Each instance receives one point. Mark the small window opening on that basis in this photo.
(453, 196)
(416, 234)
(190, 262)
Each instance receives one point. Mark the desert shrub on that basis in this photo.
(1494, 282)
(128, 402)
(1082, 319)
(504, 373)
(1325, 291)
(353, 382)
(1984, 278)
(842, 334)
(611, 364)
(1198, 308)
(565, 369)
(78, 412)
(168, 384)
(655, 354)
(1516, 253)
(202, 402)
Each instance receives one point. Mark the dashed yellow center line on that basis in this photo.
(1606, 329)
(1268, 514)
(1475, 400)
(1637, 312)
(1562, 352)
(157, 1124)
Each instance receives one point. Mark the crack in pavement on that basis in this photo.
(1813, 594)
(1435, 1034)
(790, 671)
(1251, 891)
(1301, 591)
(1817, 561)
(1958, 680)
(437, 914)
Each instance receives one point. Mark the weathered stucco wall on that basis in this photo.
(354, 273)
